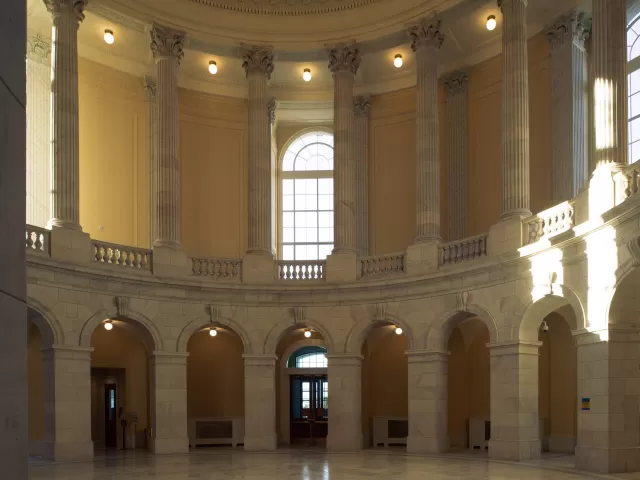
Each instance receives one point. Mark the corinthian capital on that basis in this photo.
(344, 58)
(150, 86)
(362, 105)
(570, 27)
(38, 48)
(426, 34)
(455, 83)
(166, 43)
(271, 109)
(258, 59)
(61, 7)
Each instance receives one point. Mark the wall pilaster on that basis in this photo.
(361, 108)
(345, 417)
(260, 402)
(150, 86)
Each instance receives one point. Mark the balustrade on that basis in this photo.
(463, 250)
(37, 239)
(217, 268)
(300, 269)
(380, 266)
(121, 256)
(550, 222)
(631, 180)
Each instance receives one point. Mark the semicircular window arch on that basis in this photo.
(308, 357)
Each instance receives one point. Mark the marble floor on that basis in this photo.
(223, 464)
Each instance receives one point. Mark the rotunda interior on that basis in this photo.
(403, 230)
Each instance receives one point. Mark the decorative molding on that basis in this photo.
(426, 33)
(166, 43)
(271, 108)
(634, 249)
(299, 314)
(380, 314)
(258, 59)
(502, 2)
(116, 17)
(38, 48)
(57, 7)
(344, 57)
(122, 305)
(286, 7)
(362, 105)
(150, 85)
(570, 26)
(462, 301)
(456, 82)
(214, 314)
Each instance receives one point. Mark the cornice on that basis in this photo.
(286, 7)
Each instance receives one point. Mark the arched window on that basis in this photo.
(633, 69)
(306, 197)
(308, 357)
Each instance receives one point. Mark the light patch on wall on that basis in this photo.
(547, 274)
(602, 261)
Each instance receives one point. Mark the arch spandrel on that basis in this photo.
(48, 324)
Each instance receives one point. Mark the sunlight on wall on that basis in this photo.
(602, 260)
(601, 192)
(547, 274)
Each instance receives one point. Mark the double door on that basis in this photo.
(309, 408)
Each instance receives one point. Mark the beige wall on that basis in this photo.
(35, 384)
(215, 376)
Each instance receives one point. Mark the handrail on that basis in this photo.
(229, 269)
(552, 221)
(121, 255)
(381, 265)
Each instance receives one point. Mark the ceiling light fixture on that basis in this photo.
(213, 67)
(307, 333)
(306, 74)
(398, 331)
(108, 37)
(397, 61)
(491, 22)
(213, 332)
(108, 325)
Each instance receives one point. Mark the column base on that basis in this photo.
(170, 262)
(431, 445)
(608, 460)
(260, 444)
(344, 443)
(422, 258)
(258, 267)
(514, 450)
(65, 451)
(162, 446)
(341, 267)
(70, 245)
(505, 237)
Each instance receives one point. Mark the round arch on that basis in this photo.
(297, 135)
(438, 333)
(279, 330)
(111, 313)
(620, 304)
(297, 345)
(359, 332)
(49, 326)
(197, 324)
(536, 312)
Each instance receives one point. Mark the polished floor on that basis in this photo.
(223, 464)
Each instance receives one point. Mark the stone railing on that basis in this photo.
(300, 269)
(223, 269)
(550, 222)
(463, 250)
(37, 239)
(121, 255)
(631, 179)
(381, 266)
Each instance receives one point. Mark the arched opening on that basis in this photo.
(215, 387)
(303, 387)
(385, 373)
(468, 384)
(120, 384)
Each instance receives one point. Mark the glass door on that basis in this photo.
(309, 408)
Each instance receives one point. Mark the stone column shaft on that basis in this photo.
(457, 125)
(167, 48)
(610, 81)
(515, 110)
(258, 65)
(426, 41)
(260, 402)
(344, 61)
(362, 107)
(150, 86)
(67, 404)
(514, 401)
(428, 421)
(169, 403)
(569, 105)
(345, 410)
(65, 140)
(38, 131)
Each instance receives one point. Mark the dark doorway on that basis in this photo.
(110, 416)
(309, 409)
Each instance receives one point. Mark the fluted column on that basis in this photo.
(38, 131)
(150, 87)
(167, 49)
(67, 16)
(361, 109)
(273, 173)
(426, 40)
(610, 82)
(344, 61)
(515, 110)
(258, 65)
(569, 105)
(456, 89)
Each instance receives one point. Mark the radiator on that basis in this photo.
(390, 430)
(216, 431)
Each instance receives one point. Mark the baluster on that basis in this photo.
(40, 242)
(144, 264)
(30, 240)
(195, 266)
